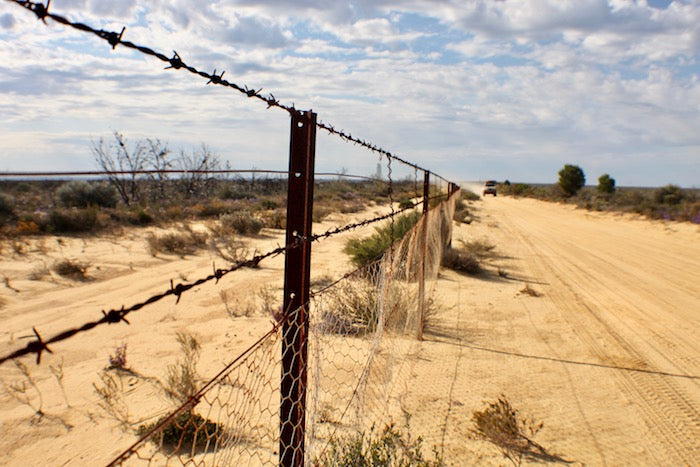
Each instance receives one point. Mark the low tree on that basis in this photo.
(121, 164)
(606, 184)
(571, 179)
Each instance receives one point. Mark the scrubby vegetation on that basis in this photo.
(387, 447)
(364, 251)
(669, 202)
(72, 269)
(501, 424)
(244, 205)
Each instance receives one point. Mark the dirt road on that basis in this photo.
(608, 355)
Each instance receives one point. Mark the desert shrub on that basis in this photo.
(72, 269)
(321, 212)
(276, 219)
(460, 260)
(81, 194)
(669, 194)
(478, 247)
(134, 216)
(405, 203)
(369, 249)
(187, 432)
(212, 208)
(468, 195)
(388, 447)
(462, 213)
(184, 242)
(501, 424)
(7, 207)
(354, 307)
(242, 222)
(571, 179)
(269, 203)
(231, 191)
(71, 220)
(606, 184)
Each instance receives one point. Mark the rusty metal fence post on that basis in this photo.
(424, 250)
(297, 269)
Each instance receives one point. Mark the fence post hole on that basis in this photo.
(424, 248)
(297, 269)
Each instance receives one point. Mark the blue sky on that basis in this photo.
(470, 89)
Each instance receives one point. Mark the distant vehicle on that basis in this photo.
(490, 188)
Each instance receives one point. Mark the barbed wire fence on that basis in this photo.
(336, 361)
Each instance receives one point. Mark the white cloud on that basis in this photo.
(528, 85)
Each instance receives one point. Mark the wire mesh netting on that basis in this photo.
(361, 348)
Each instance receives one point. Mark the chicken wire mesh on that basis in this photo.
(361, 349)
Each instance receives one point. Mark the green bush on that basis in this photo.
(81, 194)
(571, 179)
(368, 250)
(7, 207)
(72, 220)
(242, 222)
(606, 184)
(405, 203)
(669, 194)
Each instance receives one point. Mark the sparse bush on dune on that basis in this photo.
(242, 222)
(183, 242)
(72, 269)
(388, 447)
(503, 425)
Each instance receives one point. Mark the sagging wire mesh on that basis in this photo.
(361, 348)
(232, 420)
(363, 337)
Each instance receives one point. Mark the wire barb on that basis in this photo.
(40, 10)
(38, 346)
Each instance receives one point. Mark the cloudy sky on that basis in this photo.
(471, 89)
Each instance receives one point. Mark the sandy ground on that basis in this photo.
(608, 356)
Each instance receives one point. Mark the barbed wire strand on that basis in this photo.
(176, 62)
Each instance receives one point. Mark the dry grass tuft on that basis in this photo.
(461, 261)
(72, 269)
(527, 290)
(184, 242)
(501, 424)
